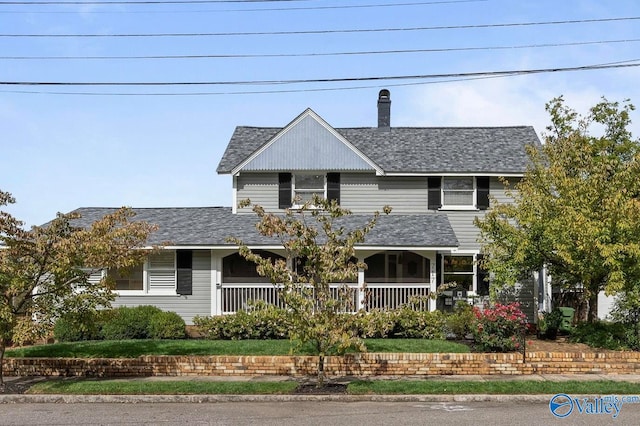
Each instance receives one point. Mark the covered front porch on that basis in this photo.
(392, 279)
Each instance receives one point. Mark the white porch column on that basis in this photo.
(433, 278)
(216, 279)
(361, 290)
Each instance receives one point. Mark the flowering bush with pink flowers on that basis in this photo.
(499, 328)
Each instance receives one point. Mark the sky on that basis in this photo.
(67, 146)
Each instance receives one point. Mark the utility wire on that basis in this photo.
(627, 64)
(343, 31)
(258, 92)
(121, 2)
(265, 9)
(311, 54)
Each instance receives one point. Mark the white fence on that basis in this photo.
(235, 297)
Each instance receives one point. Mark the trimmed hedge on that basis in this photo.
(274, 323)
(140, 322)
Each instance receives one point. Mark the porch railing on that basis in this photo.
(240, 296)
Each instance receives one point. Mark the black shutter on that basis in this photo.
(284, 190)
(184, 262)
(333, 187)
(434, 199)
(482, 277)
(482, 192)
(438, 269)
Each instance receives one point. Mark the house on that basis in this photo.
(436, 179)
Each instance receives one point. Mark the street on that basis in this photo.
(303, 413)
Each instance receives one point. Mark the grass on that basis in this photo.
(171, 387)
(497, 387)
(136, 348)
(375, 387)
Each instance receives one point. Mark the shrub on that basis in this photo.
(375, 324)
(498, 328)
(263, 322)
(418, 324)
(166, 325)
(78, 326)
(460, 321)
(601, 334)
(549, 324)
(129, 323)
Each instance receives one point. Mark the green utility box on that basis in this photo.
(567, 318)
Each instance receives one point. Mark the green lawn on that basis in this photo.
(142, 387)
(498, 387)
(135, 348)
(374, 387)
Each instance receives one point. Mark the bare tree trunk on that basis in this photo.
(593, 307)
(320, 370)
(3, 347)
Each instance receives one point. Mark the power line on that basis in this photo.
(626, 64)
(312, 54)
(265, 9)
(324, 89)
(342, 31)
(125, 2)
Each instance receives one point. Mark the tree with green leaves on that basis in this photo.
(312, 278)
(45, 271)
(577, 209)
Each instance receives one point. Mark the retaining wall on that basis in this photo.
(365, 364)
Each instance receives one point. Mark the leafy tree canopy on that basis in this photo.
(44, 271)
(577, 209)
(319, 253)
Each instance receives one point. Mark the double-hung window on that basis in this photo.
(458, 192)
(459, 269)
(305, 186)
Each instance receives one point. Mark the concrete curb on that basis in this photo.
(199, 399)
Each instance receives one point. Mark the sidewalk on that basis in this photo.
(26, 398)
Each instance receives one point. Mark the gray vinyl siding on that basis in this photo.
(497, 189)
(462, 221)
(260, 188)
(366, 192)
(199, 303)
(466, 232)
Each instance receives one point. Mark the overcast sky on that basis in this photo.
(67, 146)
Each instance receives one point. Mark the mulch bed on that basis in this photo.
(327, 389)
(19, 385)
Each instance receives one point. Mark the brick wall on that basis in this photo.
(366, 364)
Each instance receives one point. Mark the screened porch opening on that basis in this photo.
(242, 285)
(397, 278)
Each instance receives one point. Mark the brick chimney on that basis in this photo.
(384, 109)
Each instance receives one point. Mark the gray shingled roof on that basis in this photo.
(210, 226)
(414, 149)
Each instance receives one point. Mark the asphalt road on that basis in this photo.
(304, 413)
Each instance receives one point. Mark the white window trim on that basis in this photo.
(474, 286)
(293, 186)
(135, 292)
(471, 207)
(146, 278)
(146, 291)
